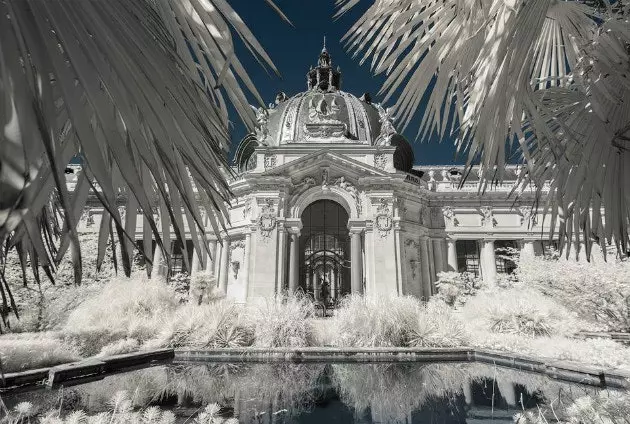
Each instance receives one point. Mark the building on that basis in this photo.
(328, 201)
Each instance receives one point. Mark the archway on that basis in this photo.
(325, 251)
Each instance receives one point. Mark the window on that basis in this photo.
(502, 253)
(467, 256)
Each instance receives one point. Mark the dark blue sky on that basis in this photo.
(294, 49)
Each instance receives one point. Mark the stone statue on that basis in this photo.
(387, 127)
(262, 120)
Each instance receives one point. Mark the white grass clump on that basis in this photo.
(119, 347)
(437, 326)
(598, 291)
(375, 321)
(519, 311)
(34, 351)
(125, 308)
(217, 325)
(282, 322)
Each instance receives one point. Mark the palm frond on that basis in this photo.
(137, 90)
(552, 75)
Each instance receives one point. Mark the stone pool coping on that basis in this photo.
(97, 368)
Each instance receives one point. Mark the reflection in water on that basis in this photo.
(317, 393)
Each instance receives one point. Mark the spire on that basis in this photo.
(324, 77)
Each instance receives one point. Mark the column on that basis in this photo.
(223, 268)
(527, 248)
(488, 262)
(212, 258)
(197, 263)
(452, 255)
(281, 266)
(356, 267)
(294, 260)
(432, 271)
(438, 253)
(424, 268)
(247, 260)
(160, 268)
(217, 261)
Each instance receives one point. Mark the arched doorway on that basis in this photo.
(325, 251)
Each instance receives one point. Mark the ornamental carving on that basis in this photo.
(247, 209)
(304, 185)
(449, 215)
(387, 127)
(345, 185)
(267, 219)
(380, 161)
(383, 219)
(527, 215)
(262, 122)
(271, 161)
(487, 219)
(323, 122)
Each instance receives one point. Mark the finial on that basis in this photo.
(324, 49)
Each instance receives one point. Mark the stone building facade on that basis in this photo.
(328, 201)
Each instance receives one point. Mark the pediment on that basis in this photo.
(336, 163)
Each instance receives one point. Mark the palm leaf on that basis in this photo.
(137, 90)
(552, 75)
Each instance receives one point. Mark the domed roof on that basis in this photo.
(323, 117)
(324, 114)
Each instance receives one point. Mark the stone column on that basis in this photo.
(424, 267)
(294, 260)
(223, 268)
(356, 267)
(196, 264)
(438, 253)
(247, 260)
(527, 248)
(488, 262)
(160, 268)
(217, 261)
(452, 255)
(212, 258)
(281, 266)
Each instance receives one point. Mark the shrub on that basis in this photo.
(282, 322)
(371, 321)
(33, 351)
(203, 288)
(125, 308)
(455, 288)
(220, 324)
(519, 311)
(596, 291)
(46, 306)
(437, 326)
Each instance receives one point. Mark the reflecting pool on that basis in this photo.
(437, 393)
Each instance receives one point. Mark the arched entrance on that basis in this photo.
(325, 251)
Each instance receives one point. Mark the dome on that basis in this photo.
(324, 114)
(323, 117)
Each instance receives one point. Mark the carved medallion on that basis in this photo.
(267, 219)
(383, 219)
